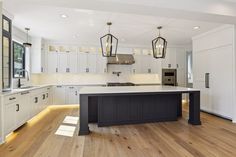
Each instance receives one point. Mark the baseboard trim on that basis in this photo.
(217, 115)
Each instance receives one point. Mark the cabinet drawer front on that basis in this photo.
(11, 98)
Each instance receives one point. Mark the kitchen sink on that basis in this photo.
(27, 87)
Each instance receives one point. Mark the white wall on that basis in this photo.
(214, 53)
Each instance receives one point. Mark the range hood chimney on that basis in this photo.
(122, 59)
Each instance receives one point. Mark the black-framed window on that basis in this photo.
(6, 53)
(18, 60)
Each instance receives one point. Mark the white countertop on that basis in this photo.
(134, 89)
(15, 91)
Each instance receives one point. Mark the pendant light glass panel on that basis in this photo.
(109, 44)
(159, 46)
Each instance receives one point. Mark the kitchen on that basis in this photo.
(61, 80)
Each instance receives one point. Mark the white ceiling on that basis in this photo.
(86, 26)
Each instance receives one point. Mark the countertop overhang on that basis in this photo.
(135, 89)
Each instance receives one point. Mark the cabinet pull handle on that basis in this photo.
(76, 93)
(44, 96)
(17, 107)
(41, 69)
(207, 80)
(56, 69)
(13, 98)
(36, 100)
(177, 65)
(47, 95)
(23, 93)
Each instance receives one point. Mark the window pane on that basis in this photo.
(6, 25)
(19, 57)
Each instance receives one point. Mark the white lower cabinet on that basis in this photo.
(59, 95)
(21, 107)
(9, 117)
(71, 95)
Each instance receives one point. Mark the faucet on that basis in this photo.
(116, 73)
(20, 71)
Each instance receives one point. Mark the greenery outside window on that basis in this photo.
(18, 60)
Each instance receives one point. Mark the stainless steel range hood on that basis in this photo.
(125, 59)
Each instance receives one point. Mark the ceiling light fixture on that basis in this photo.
(196, 27)
(27, 44)
(64, 16)
(109, 43)
(159, 45)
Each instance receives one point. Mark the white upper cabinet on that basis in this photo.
(156, 65)
(72, 58)
(101, 64)
(92, 62)
(170, 59)
(87, 62)
(62, 62)
(52, 62)
(38, 57)
(82, 65)
(136, 67)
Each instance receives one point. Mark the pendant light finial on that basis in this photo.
(109, 43)
(27, 44)
(159, 45)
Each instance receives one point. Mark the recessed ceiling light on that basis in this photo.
(64, 16)
(196, 27)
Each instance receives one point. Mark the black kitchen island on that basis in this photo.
(108, 106)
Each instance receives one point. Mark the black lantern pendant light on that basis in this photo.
(27, 44)
(109, 43)
(159, 46)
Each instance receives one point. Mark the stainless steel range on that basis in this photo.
(120, 84)
(169, 77)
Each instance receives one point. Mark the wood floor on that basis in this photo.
(214, 138)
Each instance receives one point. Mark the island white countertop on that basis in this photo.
(134, 89)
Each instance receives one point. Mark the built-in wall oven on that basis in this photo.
(169, 77)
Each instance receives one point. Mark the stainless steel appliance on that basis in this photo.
(169, 77)
(120, 84)
(121, 59)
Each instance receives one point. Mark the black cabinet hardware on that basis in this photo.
(17, 107)
(207, 80)
(23, 93)
(36, 100)
(12, 98)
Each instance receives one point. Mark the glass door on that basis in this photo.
(6, 55)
